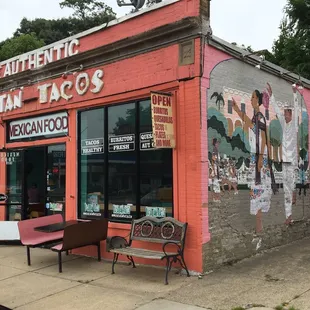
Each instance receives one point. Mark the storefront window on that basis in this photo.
(137, 178)
(91, 126)
(122, 161)
(14, 168)
(156, 194)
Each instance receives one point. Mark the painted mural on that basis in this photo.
(258, 145)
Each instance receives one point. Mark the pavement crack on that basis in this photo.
(34, 301)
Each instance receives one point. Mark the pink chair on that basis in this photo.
(32, 238)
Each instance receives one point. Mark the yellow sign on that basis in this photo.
(162, 120)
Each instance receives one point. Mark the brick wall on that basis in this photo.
(231, 226)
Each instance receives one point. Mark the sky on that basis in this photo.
(250, 22)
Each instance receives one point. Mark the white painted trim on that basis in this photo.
(9, 231)
(95, 29)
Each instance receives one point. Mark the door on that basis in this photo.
(35, 181)
(56, 179)
(15, 184)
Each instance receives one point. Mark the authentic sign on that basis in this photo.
(39, 58)
(162, 120)
(48, 125)
(92, 146)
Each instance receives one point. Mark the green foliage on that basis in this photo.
(57, 29)
(84, 9)
(32, 34)
(19, 45)
(291, 49)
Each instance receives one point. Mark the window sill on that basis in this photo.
(120, 226)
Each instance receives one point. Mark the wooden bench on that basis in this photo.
(31, 238)
(80, 235)
(167, 231)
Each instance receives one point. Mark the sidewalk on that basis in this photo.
(268, 280)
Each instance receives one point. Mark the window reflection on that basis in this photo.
(156, 194)
(139, 180)
(122, 161)
(92, 164)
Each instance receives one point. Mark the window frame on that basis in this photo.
(106, 160)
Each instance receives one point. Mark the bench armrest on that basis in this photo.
(116, 242)
(179, 249)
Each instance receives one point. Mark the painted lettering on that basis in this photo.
(55, 94)
(82, 83)
(97, 81)
(39, 58)
(63, 87)
(43, 92)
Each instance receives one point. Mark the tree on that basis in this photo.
(291, 49)
(57, 29)
(36, 33)
(19, 45)
(84, 9)
(219, 99)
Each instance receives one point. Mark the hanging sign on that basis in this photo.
(47, 126)
(162, 120)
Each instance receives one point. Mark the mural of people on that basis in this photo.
(290, 151)
(260, 170)
(214, 175)
(224, 175)
(233, 177)
(256, 151)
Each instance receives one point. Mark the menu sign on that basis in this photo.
(162, 120)
(92, 206)
(122, 211)
(122, 143)
(146, 141)
(10, 157)
(92, 146)
(155, 211)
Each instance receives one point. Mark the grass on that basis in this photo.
(282, 308)
(238, 308)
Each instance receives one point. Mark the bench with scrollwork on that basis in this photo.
(167, 231)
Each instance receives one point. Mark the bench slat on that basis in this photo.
(141, 253)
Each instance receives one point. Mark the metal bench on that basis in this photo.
(31, 238)
(167, 231)
(80, 235)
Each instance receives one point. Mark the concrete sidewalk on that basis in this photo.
(267, 280)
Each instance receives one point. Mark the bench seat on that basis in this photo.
(167, 231)
(143, 253)
(41, 238)
(29, 237)
(81, 234)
